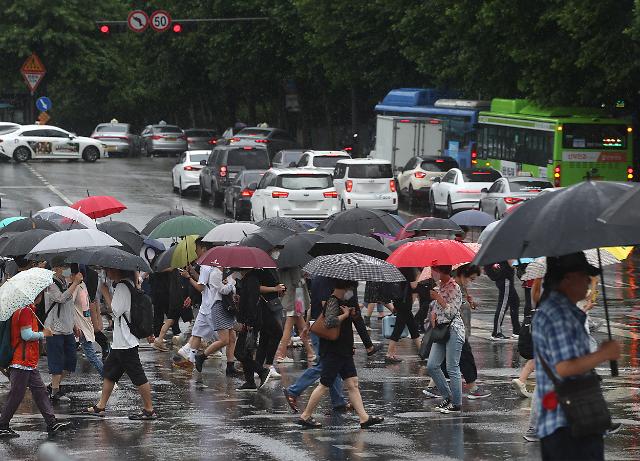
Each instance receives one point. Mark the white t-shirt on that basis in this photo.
(121, 305)
(211, 278)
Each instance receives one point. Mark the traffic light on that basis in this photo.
(105, 29)
(176, 28)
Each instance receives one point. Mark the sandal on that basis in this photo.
(388, 359)
(95, 411)
(371, 421)
(309, 423)
(144, 415)
(291, 400)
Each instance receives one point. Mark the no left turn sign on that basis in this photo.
(138, 20)
(160, 20)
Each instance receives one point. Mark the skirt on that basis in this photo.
(222, 319)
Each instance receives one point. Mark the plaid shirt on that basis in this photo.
(558, 335)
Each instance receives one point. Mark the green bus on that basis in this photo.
(567, 144)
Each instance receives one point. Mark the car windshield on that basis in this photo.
(200, 133)
(304, 181)
(249, 178)
(251, 159)
(327, 161)
(438, 165)
(481, 175)
(168, 129)
(370, 171)
(526, 186)
(111, 129)
(8, 129)
(254, 132)
(289, 157)
(198, 157)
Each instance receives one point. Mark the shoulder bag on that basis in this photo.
(319, 329)
(441, 332)
(274, 305)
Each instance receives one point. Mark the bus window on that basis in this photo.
(582, 136)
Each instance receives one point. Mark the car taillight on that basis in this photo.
(512, 200)
(262, 141)
(191, 168)
(190, 141)
(348, 185)
(279, 194)
(474, 157)
(330, 194)
(392, 185)
(223, 171)
(182, 137)
(234, 139)
(420, 174)
(629, 172)
(156, 137)
(213, 141)
(556, 176)
(347, 149)
(246, 193)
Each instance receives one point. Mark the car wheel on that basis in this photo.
(343, 207)
(449, 207)
(234, 212)
(433, 209)
(204, 197)
(90, 154)
(21, 154)
(496, 214)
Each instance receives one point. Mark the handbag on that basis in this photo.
(441, 332)
(425, 345)
(582, 401)
(246, 344)
(525, 340)
(274, 305)
(229, 304)
(319, 329)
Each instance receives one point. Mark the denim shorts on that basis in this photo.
(61, 354)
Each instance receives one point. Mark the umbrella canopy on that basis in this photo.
(99, 206)
(237, 257)
(163, 262)
(286, 223)
(75, 239)
(353, 266)
(484, 235)
(472, 218)
(30, 223)
(267, 238)
(162, 217)
(538, 268)
(109, 257)
(295, 249)
(231, 232)
(120, 226)
(360, 221)
(184, 252)
(181, 226)
(558, 224)
(22, 289)
(431, 252)
(22, 243)
(65, 216)
(7, 221)
(398, 243)
(439, 227)
(349, 243)
(132, 242)
(625, 211)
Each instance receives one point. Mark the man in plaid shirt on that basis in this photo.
(559, 337)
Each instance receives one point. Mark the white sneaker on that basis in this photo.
(514, 336)
(521, 388)
(185, 352)
(274, 373)
(284, 360)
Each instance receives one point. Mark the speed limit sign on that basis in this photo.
(160, 20)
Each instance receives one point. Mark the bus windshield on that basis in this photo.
(584, 136)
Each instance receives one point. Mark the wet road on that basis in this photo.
(206, 418)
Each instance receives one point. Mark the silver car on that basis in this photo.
(201, 138)
(163, 139)
(507, 192)
(118, 139)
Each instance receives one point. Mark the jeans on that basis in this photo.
(91, 354)
(452, 349)
(312, 374)
(21, 380)
(561, 445)
(507, 299)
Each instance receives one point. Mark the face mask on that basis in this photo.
(66, 273)
(275, 254)
(348, 295)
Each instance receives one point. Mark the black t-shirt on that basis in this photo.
(248, 289)
(344, 344)
(268, 278)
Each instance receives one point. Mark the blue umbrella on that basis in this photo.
(7, 221)
(472, 218)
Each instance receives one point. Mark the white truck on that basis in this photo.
(400, 138)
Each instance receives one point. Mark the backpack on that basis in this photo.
(496, 271)
(6, 349)
(141, 313)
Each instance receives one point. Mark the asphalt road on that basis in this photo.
(206, 418)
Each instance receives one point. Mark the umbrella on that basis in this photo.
(484, 235)
(30, 223)
(65, 216)
(267, 238)
(431, 252)
(230, 232)
(75, 239)
(286, 223)
(22, 243)
(398, 243)
(237, 257)
(360, 221)
(472, 218)
(624, 211)
(184, 252)
(432, 224)
(7, 221)
(99, 206)
(295, 249)
(131, 241)
(163, 262)
(120, 226)
(182, 225)
(354, 266)
(155, 244)
(349, 243)
(538, 268)
(22, 289)
(162, 217)
(113, 258)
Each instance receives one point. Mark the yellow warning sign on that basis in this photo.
(33, 65)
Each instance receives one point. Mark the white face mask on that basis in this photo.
(348, 295)
(66, 273)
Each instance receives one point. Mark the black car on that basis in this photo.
(237, 196)
(274, 139)
(225, 163)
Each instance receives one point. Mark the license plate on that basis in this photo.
(110, 148)
(170, 139)
(384, 197)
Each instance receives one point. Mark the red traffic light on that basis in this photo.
(105, 29)
(176, 28)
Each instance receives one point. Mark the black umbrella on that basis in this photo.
(119, 226)
(162, 217)
(625, 211)
(432, 224)
(295, 249)
(30, 223)
(110, 257)
(21, 243)
(398, 243)
(286, 223)
(131, 240)
(163, 262)
(266, 239)
(349, 243)
(560, 223)
(360, 221)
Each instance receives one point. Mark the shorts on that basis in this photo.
(121, 361)
(204, 327)
(61, 354)
(176, 314)
(334, 365)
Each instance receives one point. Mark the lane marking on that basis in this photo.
(23, 187)
(49, 186)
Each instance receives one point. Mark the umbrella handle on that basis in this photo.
(613, 364)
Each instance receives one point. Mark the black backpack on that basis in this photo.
(498, 271)
(141, 313)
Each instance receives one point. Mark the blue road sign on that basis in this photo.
(43, 104)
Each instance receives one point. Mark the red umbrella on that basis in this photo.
(99, 206)
(427, 253)
(237, 257)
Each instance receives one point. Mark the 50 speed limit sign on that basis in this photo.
(160, 20)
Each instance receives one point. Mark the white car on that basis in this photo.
(507, 192)
(460, 189)
(322, 159)
(365, 183)
(186, 172)
(8, 127)
(300, 193)
(49, 142)
(418, 175)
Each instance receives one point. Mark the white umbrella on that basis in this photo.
(75, 239)
(22, 289)
(231, 232)
(538, 268)
(65, 216)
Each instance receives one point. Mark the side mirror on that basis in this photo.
(484, 190)
(72, 135)
(293, 165)
(400, 169)
(203, 162)
(253, 186)
(437, 179)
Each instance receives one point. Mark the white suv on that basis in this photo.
(365, 183)
(322, 159)
(418, 175)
